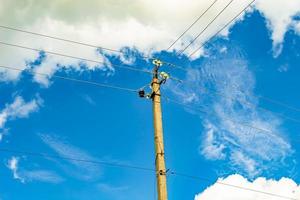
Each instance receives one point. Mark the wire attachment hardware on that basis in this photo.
(157, 63)
(164, 76)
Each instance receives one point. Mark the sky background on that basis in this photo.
(231, 79)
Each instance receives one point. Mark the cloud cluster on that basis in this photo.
(146, 25)
(24, 176)
(280, 17)
(18, 109)
(236, 130)
(222, 191)
(13, 166)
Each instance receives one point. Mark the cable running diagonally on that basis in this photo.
(212, 21)
(245, 124)
(73, 80)
(83, 44)
(211, 5)
(220, 30)
(74, 57)
(133, 167)
(96, 162)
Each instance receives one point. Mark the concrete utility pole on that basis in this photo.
(158, 135)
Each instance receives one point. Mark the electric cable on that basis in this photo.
(220, 30)
(245, 124)
(203, 30)
(73, 79)
(84, 44)
(134, 167)
(96, 162)
(211, 5)
(74, 57)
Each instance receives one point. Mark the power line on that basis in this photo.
(211, 5)
(276, 102)
(74, 80)
(220, 30)
(279, 103)
(61, 39)
(133, 167)
(259, 107)
(96, 162)
(214, 19)
(84, 44)
(245, 124)
(210, 92)
(233, 186)
(74, 57)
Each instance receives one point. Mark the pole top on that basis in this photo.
(157, 63)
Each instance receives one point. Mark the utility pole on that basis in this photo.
(160, 166)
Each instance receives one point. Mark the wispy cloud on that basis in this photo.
(13, 165)
(89, 99)
(225, 85)
(81, 170)
(42, 176)
(212, 148)
(18, 109)
(24, 175)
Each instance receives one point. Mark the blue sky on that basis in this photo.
(228, 80)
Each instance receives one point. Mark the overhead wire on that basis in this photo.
(74, 57)
(73, 79)
(245, 124)
(206, 27)
(85, 44)
(127, 89)
(211, 5)
(128, 68)
(210, 92)
(133, 167)
(279, 103)
(220, 30)
(61, 39)
(96, 162)
(258, 107)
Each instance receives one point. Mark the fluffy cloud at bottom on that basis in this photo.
(221, 190)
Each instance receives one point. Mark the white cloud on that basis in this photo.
(18, 109)
(42, 176)
(211, 148)
(13, 165)
(240, 159)
(297, 26)
(81, 170)
(147, 25)
(283, 187)
(31, 175)
(225, 85)
(283, 68)
(89, 99)
(279, 15)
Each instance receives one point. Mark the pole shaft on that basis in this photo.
(159, 144)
